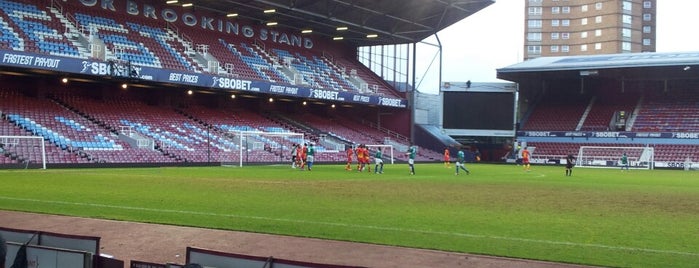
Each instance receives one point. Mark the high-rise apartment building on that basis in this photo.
(586, 27)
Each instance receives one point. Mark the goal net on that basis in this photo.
(386, 149)
(261, 147)
(23, 151)
(610, 157)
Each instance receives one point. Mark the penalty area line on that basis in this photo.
(516, 239)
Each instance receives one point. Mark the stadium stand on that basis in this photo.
(676, 111)
(650, 111)
(557, 111)
(603, 106)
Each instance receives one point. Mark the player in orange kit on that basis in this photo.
(446, 157)
(350, 152)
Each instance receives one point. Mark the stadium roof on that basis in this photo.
(666, 65)
(393, 21)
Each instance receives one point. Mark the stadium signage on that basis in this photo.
(284, 90)
(391, 102)
(31, 61)
(610, 134)
(230, 83)
(606, 134)
(682, 135)
(360, 98)
(100, 68)
(204, 22)
(537, 134)
(185, 78)
(325, 94)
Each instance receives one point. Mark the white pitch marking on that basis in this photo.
(363, 226)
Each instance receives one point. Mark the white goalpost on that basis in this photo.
(610, 157)
(261, 147)
(387, 149)
(24, 150)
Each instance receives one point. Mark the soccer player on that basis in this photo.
(411, 158)
(378, 158)
(301, 156)
(446, 157)
(310, 152)
(460, 159)
(360, 157)
(624, 162)
(294, 152)
(570, 162)
(525, 159)
(350, 152)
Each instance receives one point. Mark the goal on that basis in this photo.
(261, 147)
(387, 150)
(23, 151)
(690, 165)
(610, 157)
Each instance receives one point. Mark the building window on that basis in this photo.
(647, 4)
(535, 1)
(534, 36)
(627, 5)
(598, 46)
(598, 32)
(565, 23)
(534, 49)
(535, 10)
(626, 19)
(565, 35)
(583, 35)
(554, 36)
(555, 10)
(598, 19)
(555, 23)
(565, 10)
(626, 46)
(534, 23)
(646, 42)
(583, 47)
(583, 21)
(554, 49)
(565, 48)
(626, 32)
(598, 6)
(646, 17)
(583, 8)
(647, 29)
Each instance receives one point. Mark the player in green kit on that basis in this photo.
(310, 151)
(378, 159)
(624, 162)
(460, 156)
(411, 158)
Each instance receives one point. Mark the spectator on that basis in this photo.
(3, 251)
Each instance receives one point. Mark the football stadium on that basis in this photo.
(269, 133)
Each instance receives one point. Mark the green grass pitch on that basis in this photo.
(641, 218)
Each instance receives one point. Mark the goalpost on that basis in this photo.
(261, 147)
(609, 157)
(24, 150)
(386, 148)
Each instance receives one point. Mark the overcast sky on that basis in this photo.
(493, 38)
